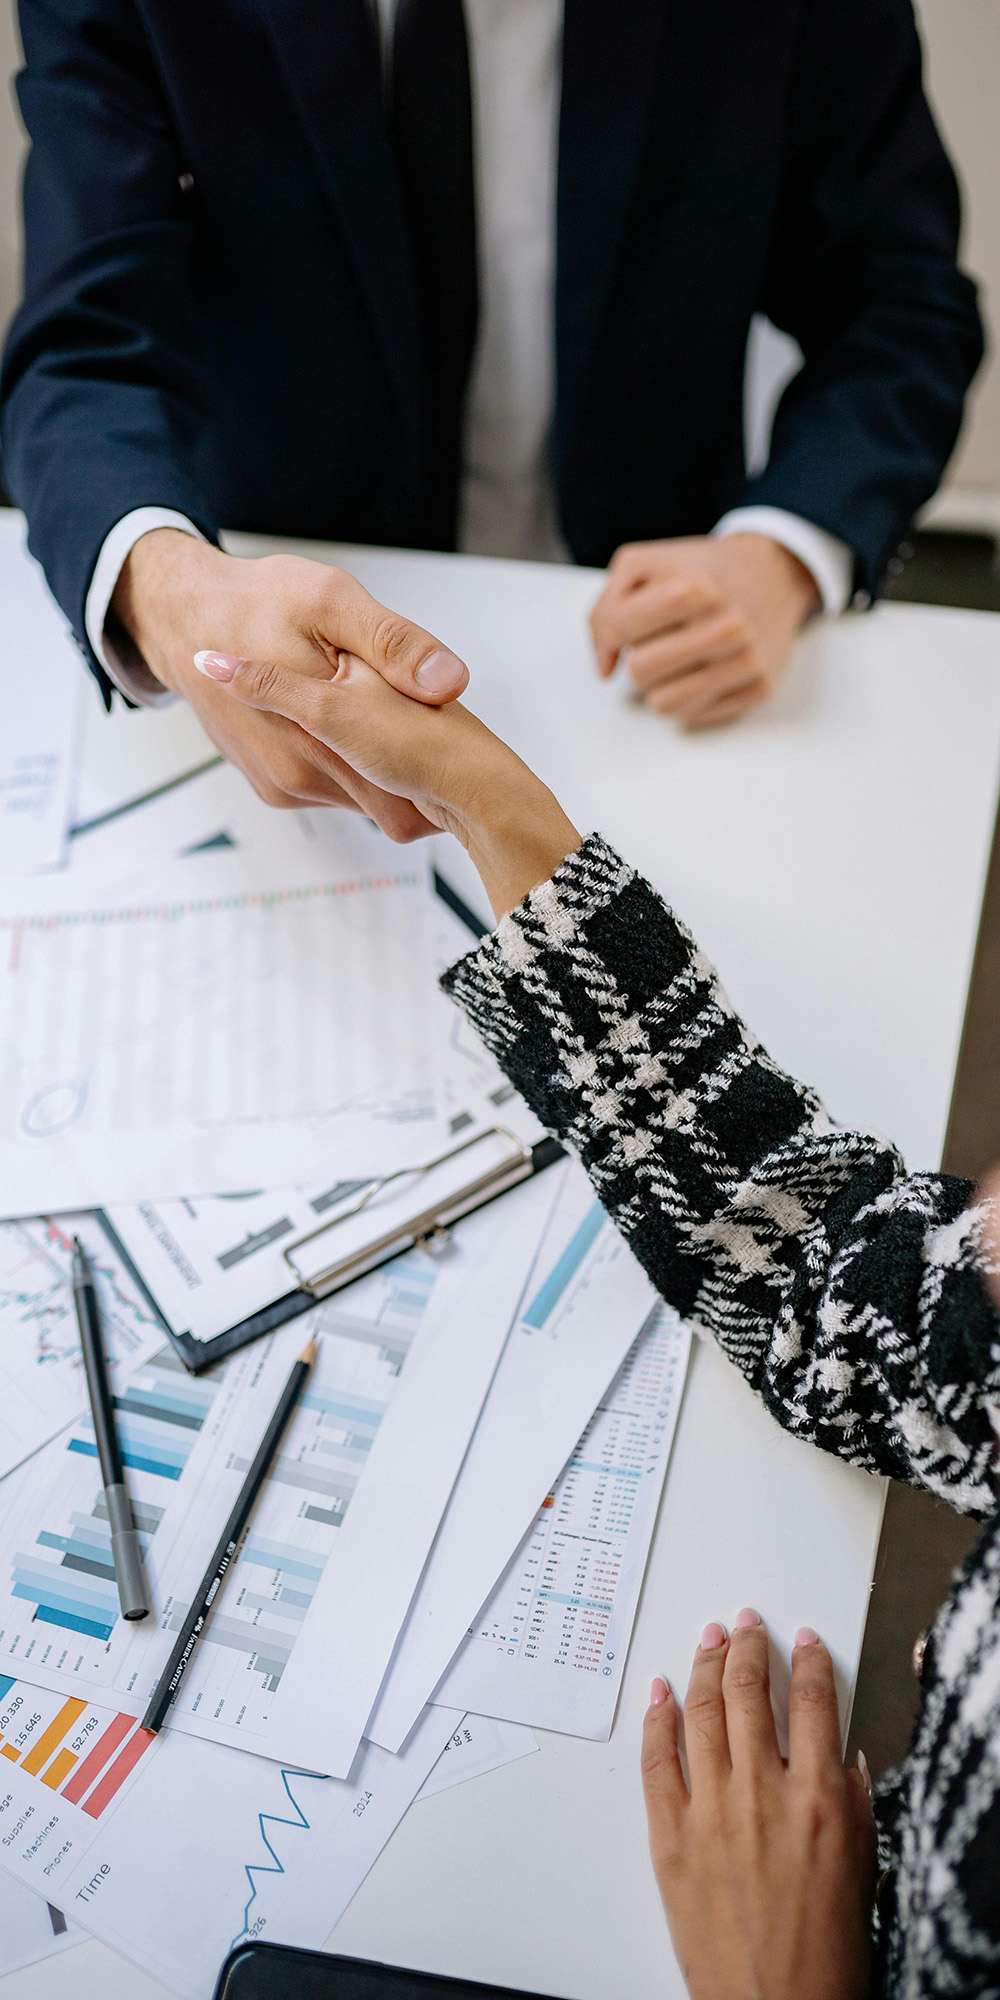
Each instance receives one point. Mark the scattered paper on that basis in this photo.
(44, 1386)
(549, 1648)
(567, 1345)
(232, 1023)
(30, 1928)
(43, 688)
(478, 1745)
(303, 1629)
(125, 1830)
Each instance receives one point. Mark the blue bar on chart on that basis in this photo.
(565, 1269)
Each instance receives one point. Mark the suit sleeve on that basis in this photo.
(863, 275)
(100, 398)
(847, 1292)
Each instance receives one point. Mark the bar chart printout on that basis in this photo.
(549, 1647)
(82, 1753)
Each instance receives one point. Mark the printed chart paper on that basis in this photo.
(232, 1023)
(44, 683)
(44, 1386)
(550, 1646)
(342, 1531)
(585, 1307)
(123, 1830)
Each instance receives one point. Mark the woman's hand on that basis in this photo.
(178, 597)
(706, 623)
(766, 1867)
(454, 772)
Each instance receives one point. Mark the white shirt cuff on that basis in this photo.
(830, 563)
(119, 656)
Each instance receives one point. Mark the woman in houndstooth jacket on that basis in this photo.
(853, 1297)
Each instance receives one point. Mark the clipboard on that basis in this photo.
(374, 1221)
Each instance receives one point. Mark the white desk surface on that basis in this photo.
(830, 853)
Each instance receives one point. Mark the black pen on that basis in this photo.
(126, 1548)
(211, 1583)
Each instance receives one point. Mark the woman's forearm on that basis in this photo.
(846, 1291)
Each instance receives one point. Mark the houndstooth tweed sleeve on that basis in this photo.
(845, 1290)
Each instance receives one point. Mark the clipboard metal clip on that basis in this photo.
(429, 1227)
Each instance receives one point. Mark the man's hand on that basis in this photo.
(766, 1868)
(177, 597)
(706, 625)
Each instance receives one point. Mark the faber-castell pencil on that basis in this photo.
(126, 1548)
(211, 1583)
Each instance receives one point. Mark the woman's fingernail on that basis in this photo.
(805, 1636)
(713, 1636)
(658, 1692)
(866, 1776)
(441, 673)
(745, 1618)
(218, 666)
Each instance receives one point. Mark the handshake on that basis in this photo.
(321, 696)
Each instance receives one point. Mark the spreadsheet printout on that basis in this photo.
(230, 1022)
(549, 1648)
(123, 1829)
(44, 1386)
(586, 1303)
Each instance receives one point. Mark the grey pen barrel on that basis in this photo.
(126, 1548)
(126, 1553)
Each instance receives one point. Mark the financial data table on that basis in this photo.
(830, 854)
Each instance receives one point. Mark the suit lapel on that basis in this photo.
(611, 60)
(330, 62)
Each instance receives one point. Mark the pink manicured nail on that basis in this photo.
(441, 673)
(866, 1776)
(713, 1636)
(805, 1636)
(658, 1692)
(745, 1618)
(218, 666)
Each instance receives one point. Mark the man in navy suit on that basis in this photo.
(473, 273)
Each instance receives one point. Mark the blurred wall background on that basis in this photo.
(962, 39)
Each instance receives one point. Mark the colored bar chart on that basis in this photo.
(90, 1781)
(565, 1269)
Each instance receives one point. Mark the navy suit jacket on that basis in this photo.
(220, 310)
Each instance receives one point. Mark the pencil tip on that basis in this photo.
(310, 1351)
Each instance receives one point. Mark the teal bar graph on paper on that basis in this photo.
(565, 1270)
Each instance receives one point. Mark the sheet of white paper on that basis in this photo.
(235, 1022)
(564, 1350)
(316, 1598)
(30, 1928)
(43, 688)
(126, 1830)
(549, 1648)
(44, 1386)
(478, 1745)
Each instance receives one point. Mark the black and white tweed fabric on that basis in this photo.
(848, 1292)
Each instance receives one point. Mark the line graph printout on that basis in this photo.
(587, 1301)
(339, 1537)
(120, 1830)
(44, 1386)
(233, 1022)
(549, 1647)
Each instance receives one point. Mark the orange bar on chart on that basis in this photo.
(103, 1793)
(51, 1737)
(96, 1758)
(59, 1769)
(9, 1751)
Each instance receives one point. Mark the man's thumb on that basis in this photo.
(406, 656)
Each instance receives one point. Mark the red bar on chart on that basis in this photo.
(125, 1762)
(96, 1758)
